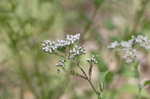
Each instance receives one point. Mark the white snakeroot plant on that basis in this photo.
(130, 48)
(69, 50)
(130, 52)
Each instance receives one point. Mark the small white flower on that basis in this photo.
(51, 46)
(92, 60)
(61, 62)
(127, 47)
(72, 38)
(61, 43)
(125, 44)
(129, 54)
(114, 44)
(76, 51)
(143, 41)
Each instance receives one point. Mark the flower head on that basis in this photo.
(61, 62)
(76, 51)
(129, 54)
(143, 41)
(127, 47)
(92, 60)
(51, 46)
(72, 38)
(114, 44)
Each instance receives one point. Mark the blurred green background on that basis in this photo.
(28, 73)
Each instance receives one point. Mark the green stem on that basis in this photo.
(98, 93)
(94, 89)
(139, 91)
(137, 76)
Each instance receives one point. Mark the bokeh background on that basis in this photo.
(26, 72)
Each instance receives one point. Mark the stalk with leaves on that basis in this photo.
(69, 50)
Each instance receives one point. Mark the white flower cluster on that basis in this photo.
(72, 38)
(143, 41)
(61, 62)
(130, 53)
(51, 46)
(76, 51)
(114, 44)
(68, 48)
(92, 60)
(48, 46)
(123, 44)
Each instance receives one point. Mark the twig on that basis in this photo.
(85, 77)
(90, 70)
(78, 75)
(82, 70)
(94, 89)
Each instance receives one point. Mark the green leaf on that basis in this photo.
(98, 2)
(108, 77)
(147, 83)
(110, 25)
(102, 65)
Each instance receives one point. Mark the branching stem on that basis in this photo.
(88, 79)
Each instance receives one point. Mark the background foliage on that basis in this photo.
(28, 73)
